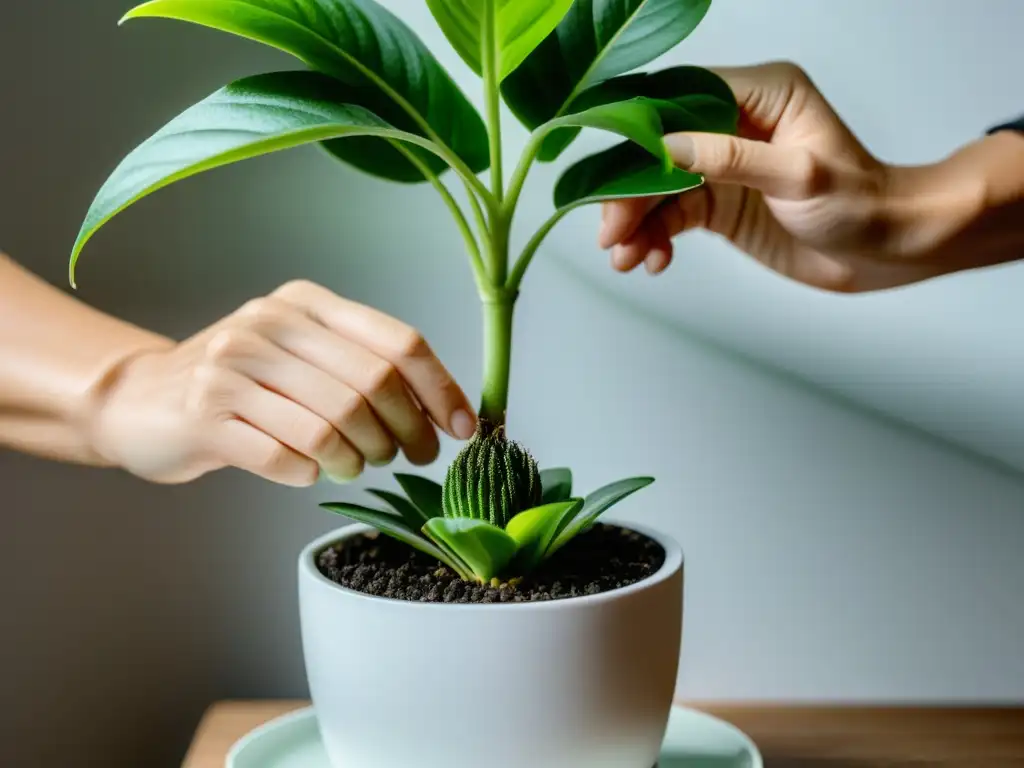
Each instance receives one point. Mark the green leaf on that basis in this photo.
(516, 27)
(687, 98)
(367, 47)
(623, 171)
(535, 529)
(424, 493)
(639, 120)
(594, 42)
(394, 527)
(556, 484)
(408, 511)
(246, 119)
(596, 504)
(485, 548)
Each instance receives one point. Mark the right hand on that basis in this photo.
(797, 191)
(289, 385)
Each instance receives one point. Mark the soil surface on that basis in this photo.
(602, 559)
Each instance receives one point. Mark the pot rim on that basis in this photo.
(674, 562)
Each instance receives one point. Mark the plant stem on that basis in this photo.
(457, 165)
(492, 97)
(476, 262)
(516, 278)
(479, 271)
(522, 170)
(498, 313)
(478, 214)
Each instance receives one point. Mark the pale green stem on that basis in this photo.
(467, 175)
(522, 170)
(478, 214)
(492, 100)
(479, 270)
(460, 219)
(498, 312)
(523, 263)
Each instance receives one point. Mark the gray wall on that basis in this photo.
(830, 555)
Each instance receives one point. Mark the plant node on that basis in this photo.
(493, 478)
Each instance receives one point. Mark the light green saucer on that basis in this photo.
(693, 740)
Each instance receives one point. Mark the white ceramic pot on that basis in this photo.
(582, 682)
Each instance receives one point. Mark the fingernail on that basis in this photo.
(656, 262)
(620, 259)
(681, 147)
(602, 235)
(463, 425)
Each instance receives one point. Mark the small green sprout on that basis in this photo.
(477, 549)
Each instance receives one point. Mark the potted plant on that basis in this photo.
(496, 622)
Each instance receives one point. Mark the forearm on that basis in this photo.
(964, 212)
(58, 357)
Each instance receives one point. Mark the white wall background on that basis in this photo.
(830, 555)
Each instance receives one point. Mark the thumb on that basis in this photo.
(789, 173)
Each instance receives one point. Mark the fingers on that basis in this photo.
(651, 242)
(364, 396)
(307, 441)
(726, 162)
(240, 430)
(659, 254)
(783, 173)
(276, 369)
(396, 343)
(770, 96)
(242, 445)
(378, 383)
(786, 173)
(621, 218)
(650, 245)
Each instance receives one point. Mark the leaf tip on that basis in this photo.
(72, 281)
(133, 13)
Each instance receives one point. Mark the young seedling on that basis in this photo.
(481, 549)
(373, 96)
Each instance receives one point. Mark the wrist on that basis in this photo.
(59, 358)
(961, 212)
(94, 409)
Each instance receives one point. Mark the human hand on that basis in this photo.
(291, 384)
(797, 191)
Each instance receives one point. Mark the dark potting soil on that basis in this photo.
(604, 558)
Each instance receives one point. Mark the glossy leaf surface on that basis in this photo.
(249, 118)
(556, 484)
(424, 493)
(687, 98)
(536, 529)
(505, 30)
(596, 504)
(622, 171)
(409, 512)
(595, 41)
(485, 548)
(390, 525)
(364, 45)
(639, 120)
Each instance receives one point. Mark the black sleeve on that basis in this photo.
(1016, 125)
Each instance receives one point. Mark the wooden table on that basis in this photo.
(788, 737)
